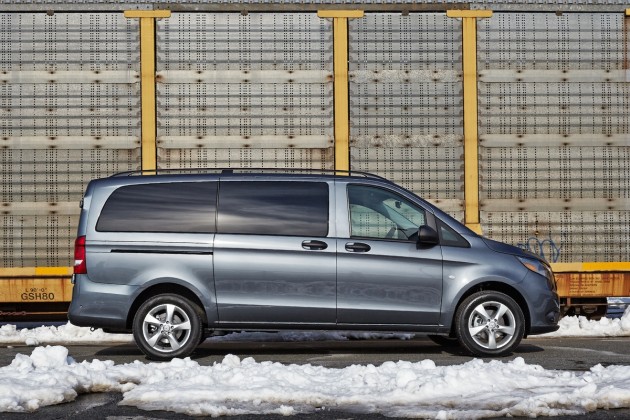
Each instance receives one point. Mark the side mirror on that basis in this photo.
(427, 236)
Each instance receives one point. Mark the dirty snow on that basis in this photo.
(473, 390)
(234, 386)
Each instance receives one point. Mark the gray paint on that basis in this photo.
(273, 282)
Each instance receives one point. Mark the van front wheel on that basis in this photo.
(167, 326)
(489, 323)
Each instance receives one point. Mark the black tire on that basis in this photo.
(489, 323)
(444, 340)
(161, 338)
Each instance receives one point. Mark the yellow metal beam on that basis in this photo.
(147, 82)
(341, 102)
(471, 135)
(35, 271)
(147, 13)
(348, 14)
(469, 13)
(590, 267)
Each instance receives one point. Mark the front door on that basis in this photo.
(383, 278)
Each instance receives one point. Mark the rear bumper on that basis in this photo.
(100, 305)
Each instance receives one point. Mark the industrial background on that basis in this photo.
(513, 117)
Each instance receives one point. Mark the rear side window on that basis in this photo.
(273, 208)
(183, 207)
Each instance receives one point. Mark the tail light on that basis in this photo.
(80, 266)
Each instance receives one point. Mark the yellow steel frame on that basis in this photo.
(147, 82)
(471, 136)
(590, 267)
(36, 271)
(342, 112)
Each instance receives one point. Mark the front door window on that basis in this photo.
(380, 214)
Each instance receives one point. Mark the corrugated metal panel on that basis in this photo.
(563, 236)
(69, 112)
(117, 4)
(406, 102)
(554, 122)
(252, 90)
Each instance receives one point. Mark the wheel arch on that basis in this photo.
(496, 287)
(166, 288)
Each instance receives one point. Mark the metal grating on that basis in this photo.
(405, 102)
(283, 5)
(245, 90)
(563, 236)
(554, 119)
(69, 112)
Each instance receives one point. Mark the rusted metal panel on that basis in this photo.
(35, 290)
(593, 284)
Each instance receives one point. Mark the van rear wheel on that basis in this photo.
(167, 326)
(489, 323)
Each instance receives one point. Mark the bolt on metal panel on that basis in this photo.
(406, 101)
(259, 84)
(553, 122)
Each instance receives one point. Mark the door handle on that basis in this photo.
(357, 247)
(314, 245)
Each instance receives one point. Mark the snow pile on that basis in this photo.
(573, 326)
(476, 389)
(63, 334)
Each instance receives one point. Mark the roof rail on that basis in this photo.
(333, 172)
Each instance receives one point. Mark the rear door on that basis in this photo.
(383, 278)
(274, 259)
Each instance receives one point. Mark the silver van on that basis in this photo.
(174, 257)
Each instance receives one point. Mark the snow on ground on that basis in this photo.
(570, 326)
(68, 334)
(579, 326)
(475, 389)
(71, 334)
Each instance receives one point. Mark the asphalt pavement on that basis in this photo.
(577, 354)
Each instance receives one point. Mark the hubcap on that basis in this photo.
(492, 325)
(166, 328)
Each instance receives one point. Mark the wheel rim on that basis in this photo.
(166, 328)
(492, 325)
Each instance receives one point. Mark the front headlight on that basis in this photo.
(538, 267)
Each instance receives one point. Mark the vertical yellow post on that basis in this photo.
(147, 82)
(471, 135)
(342, 111)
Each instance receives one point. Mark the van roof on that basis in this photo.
(251, 171)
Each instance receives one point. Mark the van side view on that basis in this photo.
(174, 257)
